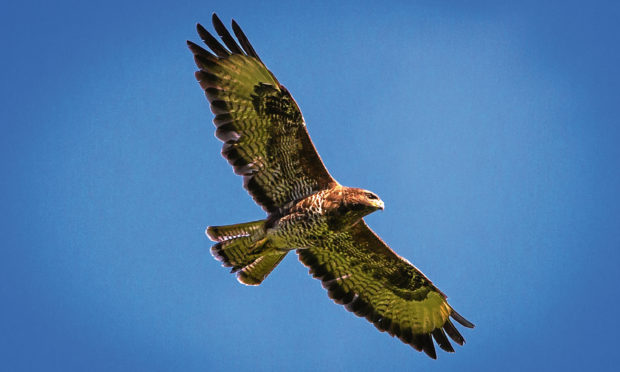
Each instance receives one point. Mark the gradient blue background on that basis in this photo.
(490, 131)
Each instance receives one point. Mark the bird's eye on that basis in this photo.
(371, 196)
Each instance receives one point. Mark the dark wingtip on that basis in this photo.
(243, 40)
(217, 23)
(429, 346)
(454, 334)
(443, 342)
(226, 37)
(462, 321)
(212, 42)
(235, 25)
(194, 47)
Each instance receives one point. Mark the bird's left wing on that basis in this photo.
(361, 272)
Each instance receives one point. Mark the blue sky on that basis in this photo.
(490, 130)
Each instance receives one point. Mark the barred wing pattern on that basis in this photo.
(362, 273)
(264, 134)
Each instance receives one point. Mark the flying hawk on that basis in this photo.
(266, 142)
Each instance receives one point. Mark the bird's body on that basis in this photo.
(307, 223)
(266, 141)
(323, 213)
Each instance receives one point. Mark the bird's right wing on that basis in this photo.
(264, 134)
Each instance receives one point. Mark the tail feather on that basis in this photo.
(245, 249)
(236, 253)
(222, 233)
(257, 271)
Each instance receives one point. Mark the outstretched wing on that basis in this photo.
(361, 272)
(264, 134)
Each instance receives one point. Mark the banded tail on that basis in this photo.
(245, 248)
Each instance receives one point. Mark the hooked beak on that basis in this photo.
(379, 204)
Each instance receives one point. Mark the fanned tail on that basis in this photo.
(245, 249)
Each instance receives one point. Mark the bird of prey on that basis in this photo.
(266, 142)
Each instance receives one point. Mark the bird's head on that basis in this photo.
(346, 206)
(362, 202)
(371, 200)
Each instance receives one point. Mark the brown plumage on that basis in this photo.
(266, 142)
